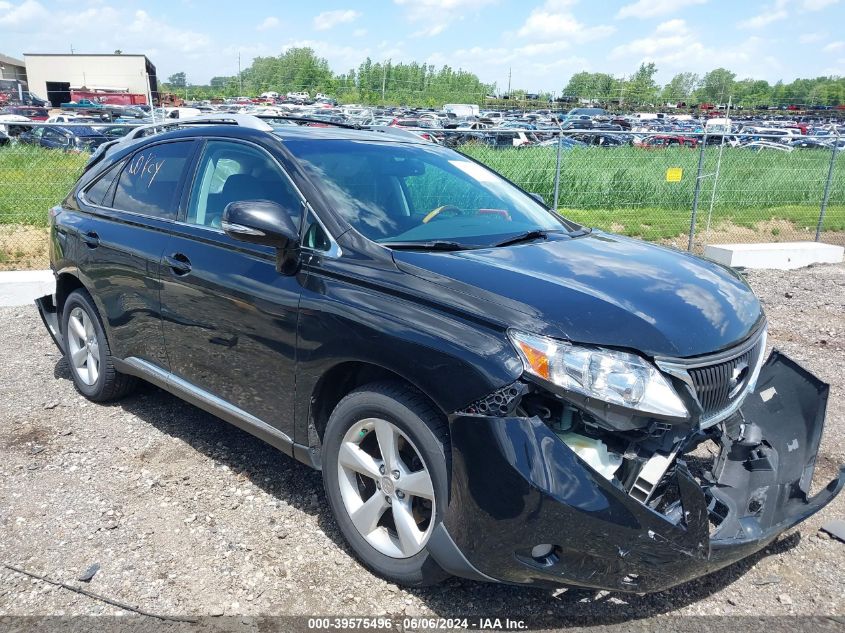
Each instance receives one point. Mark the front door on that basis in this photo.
(229, 317)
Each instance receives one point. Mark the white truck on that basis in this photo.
(461, 109)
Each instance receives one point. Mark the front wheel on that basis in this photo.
(385, 465)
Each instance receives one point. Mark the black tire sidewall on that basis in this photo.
(419, 569)
(82, 300)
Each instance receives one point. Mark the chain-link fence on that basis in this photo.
(687, 190)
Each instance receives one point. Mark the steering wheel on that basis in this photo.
(436, 212)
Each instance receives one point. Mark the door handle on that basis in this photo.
(178, 263)
(91, 239)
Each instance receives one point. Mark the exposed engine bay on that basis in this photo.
(735, 461)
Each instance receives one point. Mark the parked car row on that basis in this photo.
(456, 125)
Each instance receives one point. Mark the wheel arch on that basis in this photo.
(66, 283)
(343, 378)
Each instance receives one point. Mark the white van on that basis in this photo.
(461, 109)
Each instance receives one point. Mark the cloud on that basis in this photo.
(654, 8)
(330, 19)
(772, 13)
(268, 23)
(552, 21)
(438, 15)
(811, 38)
(17, 15)
(674, 46)
(190, 43)
(359, 32)
(834, 46)
(817, 5)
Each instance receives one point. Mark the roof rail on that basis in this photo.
(306, 119)
(240, 120)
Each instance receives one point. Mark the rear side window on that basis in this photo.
(98, 192)
(149, 183)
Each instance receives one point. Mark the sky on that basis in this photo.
(541, 43)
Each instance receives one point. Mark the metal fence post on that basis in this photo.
(557, 170)
(826, 195)
(697, 192)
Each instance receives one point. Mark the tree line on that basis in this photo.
(717, 87)
(419, 84)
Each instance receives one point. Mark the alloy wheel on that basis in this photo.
(386, 488)
(83, 346)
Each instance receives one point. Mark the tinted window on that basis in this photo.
(149, 184)
(229, 172)
(96, 193)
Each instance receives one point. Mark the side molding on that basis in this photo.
(211, 403)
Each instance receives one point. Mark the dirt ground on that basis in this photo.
(23, 247)
(185, 514)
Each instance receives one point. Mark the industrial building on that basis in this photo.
(11, 68)
(54, 76)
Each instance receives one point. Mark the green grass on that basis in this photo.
(625, 188)
(622, 189)
(33, 179)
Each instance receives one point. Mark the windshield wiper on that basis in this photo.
(528, 236)
(434, 245)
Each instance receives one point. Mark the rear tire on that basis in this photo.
(88, 353)
(385, 471)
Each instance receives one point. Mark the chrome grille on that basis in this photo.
(715, 384)
(721, 381)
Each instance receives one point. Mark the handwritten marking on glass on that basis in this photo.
(145, 164)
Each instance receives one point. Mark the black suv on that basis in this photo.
(490, 390)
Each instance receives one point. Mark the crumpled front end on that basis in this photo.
(532, 503)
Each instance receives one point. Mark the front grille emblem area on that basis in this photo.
(721, 381)
(739, 375)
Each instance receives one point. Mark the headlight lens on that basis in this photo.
(607, 375)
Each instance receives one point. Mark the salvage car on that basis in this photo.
(489, 389)
(76, 138)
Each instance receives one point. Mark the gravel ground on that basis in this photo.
(188, 515)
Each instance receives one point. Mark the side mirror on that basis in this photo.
(539, 198)
(259, 222)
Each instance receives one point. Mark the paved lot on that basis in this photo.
(187, 515)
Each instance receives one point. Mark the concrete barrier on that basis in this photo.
(777, 255)
(22, 287)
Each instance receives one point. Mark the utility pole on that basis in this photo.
(240, 80)
(383, 80)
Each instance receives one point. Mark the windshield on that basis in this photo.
(395, 193)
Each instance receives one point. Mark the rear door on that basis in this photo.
(130, 211)
(229, 318)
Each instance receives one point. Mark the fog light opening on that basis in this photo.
(541, 551)
(544, 554)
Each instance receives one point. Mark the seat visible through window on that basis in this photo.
(231, 172)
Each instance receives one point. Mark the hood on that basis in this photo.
(601, 289)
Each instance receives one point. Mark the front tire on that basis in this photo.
(88, 353)
(385, 471)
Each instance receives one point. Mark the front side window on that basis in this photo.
(394, 192)
(231, 172)
(149, 183)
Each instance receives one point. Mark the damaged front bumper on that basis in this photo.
(517, 490)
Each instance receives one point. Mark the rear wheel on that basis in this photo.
(88, 353)
(385, 465)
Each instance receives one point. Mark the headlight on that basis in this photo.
(604, 374)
